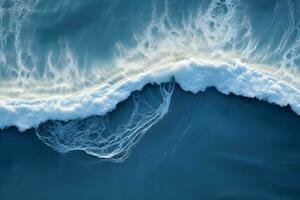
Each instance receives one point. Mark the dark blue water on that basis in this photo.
(208, 146)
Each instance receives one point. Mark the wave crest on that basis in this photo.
(191, 75)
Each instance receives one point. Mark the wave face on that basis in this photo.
(64, 61)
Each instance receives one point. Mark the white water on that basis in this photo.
(191, 75)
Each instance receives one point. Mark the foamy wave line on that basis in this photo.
(192, 75)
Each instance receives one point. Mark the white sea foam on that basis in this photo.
(191, 75)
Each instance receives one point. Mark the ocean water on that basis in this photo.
(208, 146)
(208, 89)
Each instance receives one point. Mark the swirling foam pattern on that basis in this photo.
(94, 136)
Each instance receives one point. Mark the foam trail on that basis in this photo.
(93, 135)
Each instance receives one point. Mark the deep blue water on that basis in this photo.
(208, 146)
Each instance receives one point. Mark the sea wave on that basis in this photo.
(49, 81)
(192, 75)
